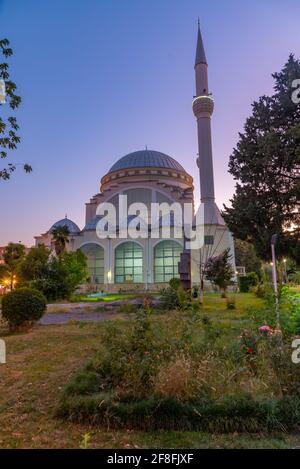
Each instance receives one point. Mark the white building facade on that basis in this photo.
(151, 177)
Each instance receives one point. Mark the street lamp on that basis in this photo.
(274, 271)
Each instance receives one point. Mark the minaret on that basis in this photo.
(203, 107)
(217, 237)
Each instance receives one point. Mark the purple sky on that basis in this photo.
(102, 78)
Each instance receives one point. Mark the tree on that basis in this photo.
(60, 237)
(13, 255)
(35, 265)
(9, 127)
(266, 165)
(62, 275)
(204, 255)
(4, 273)
(245, 256)
(219, 270)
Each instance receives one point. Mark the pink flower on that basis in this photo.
(265, 329)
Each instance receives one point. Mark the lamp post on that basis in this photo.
(274, 272)
(285, 271)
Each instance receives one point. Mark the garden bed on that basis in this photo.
(184, 371)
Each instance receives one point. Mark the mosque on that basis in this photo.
(149, 177)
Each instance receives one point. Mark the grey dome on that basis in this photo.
(147, 158)
(73, 228)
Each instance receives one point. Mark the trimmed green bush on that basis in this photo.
(248, 281)
(24, 305)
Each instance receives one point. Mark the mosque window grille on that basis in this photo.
(166, 259)
(129, 263)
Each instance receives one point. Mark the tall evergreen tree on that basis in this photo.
(266, 166)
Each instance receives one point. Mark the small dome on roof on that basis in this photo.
(145, 159)
(73, 228)
(92, 224)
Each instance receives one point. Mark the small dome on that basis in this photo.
(145, 159)
(73, 228)
(92, 224)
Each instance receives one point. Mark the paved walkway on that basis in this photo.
(62, 313)
(63, 318)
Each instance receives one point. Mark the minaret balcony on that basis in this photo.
(203, 105)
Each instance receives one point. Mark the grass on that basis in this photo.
(40, 363)
(182, 371)
(107, 297)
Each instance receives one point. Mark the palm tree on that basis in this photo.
(60, 237)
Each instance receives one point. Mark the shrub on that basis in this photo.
(175, 296)
(175, 283)
(231, 303)
(260, 290)
(248, 281)
(24, 305)
(169, 299)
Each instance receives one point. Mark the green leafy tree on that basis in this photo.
(64, 274)
(219, 270)
(4, 273)
(245, 256)
(13, 255)
(9, 138)
(35, 265)
(266, 164)
(60, 238)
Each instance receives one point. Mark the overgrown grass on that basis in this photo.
(40, 363)
(188, 371)
(240, 413)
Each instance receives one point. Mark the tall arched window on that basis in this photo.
(129, 263)
(166, 259)
(95, 261)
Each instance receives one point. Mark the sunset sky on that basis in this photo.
(103, 78)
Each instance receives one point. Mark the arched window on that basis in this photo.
(95, 261)
(129, 263)
(166, 259)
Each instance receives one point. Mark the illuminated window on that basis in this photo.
(166, 259)
(95, 261)
(129, 263)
